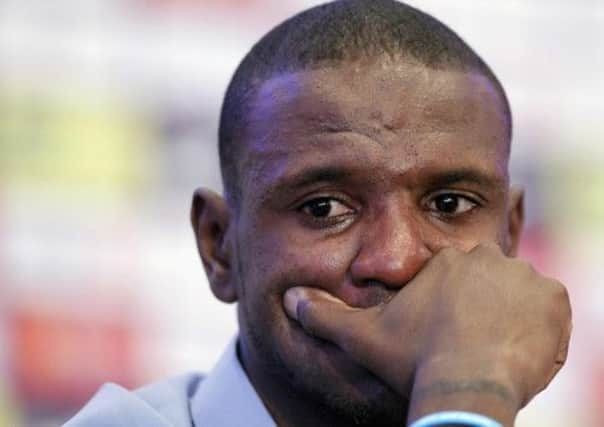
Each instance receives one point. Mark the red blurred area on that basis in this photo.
(59, 359)
(599, 395)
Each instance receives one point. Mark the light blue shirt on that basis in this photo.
(225, 398)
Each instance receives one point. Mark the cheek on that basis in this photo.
(271, 264)
(465, 238)
(283, 260)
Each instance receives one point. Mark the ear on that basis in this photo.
(210, 218)
(515, 221)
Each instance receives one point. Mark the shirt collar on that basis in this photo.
(226, 397)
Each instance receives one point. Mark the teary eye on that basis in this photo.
(451, 204)
(325, 207)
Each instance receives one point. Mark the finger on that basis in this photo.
(564, 344)
(325, 316)
(562, 353)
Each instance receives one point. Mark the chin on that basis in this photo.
(385, 411)
(322, 373)
(362, 403)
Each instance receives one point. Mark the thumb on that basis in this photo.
(323, 315)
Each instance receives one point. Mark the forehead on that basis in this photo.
(384, 114)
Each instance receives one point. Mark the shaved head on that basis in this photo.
(332, 35)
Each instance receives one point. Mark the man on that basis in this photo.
(367, 233)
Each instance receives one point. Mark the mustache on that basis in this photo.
(371, 294)
(366, 295)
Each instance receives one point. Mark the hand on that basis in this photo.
(476, 330)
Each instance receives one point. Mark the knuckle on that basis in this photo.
(559, 291)
(447, 255)
(445, 260)
(527, 268)
(486, 249)
(559, 301)
(449, 251)
(525, 264)
(479, 248)
(563, 290)
(564, 298)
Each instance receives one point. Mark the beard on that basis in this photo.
(375, 405)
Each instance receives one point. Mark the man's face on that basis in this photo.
(352, 178)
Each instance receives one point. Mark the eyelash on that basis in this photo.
(328, 221)
(445, 216)
(333, 221)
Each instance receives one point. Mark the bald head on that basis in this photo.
(338, 34)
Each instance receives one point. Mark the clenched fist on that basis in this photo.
(473, 331)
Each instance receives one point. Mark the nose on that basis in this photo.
(391, 251)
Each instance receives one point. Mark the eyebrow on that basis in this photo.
(465, 175)
(433, 179)
(313, 175)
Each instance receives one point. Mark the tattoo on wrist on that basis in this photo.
(444, 388)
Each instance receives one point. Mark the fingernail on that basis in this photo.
(290, 301)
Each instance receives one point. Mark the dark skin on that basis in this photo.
(370, 251)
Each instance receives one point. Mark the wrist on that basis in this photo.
(446, 387)
(455, 418)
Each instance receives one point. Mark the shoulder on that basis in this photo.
(160, 404)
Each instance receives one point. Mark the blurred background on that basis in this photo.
(108, 121)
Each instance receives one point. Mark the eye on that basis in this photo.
(451, 204)
(325, 208)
